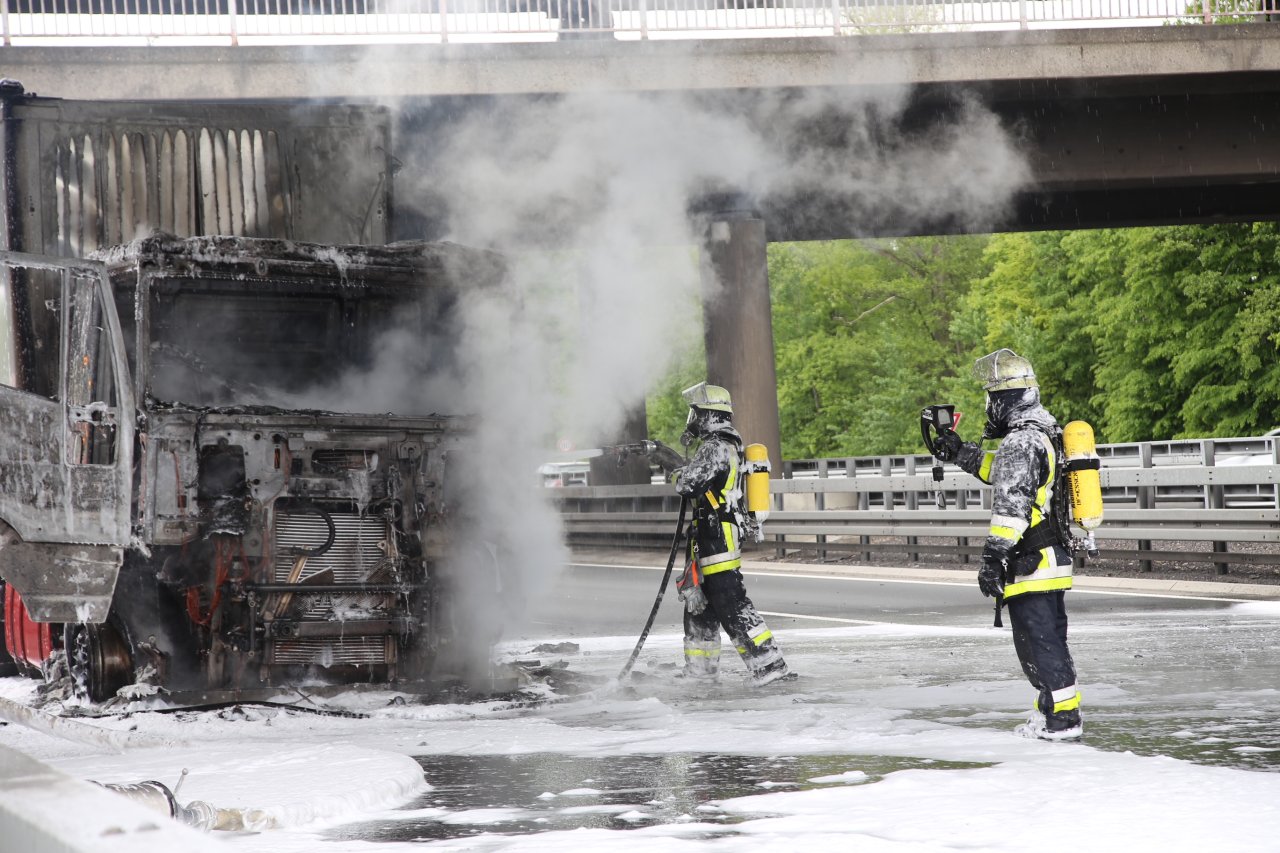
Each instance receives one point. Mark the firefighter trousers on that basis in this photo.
(1040, 638)
(729, 608)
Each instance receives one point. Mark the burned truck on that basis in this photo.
(176, 511)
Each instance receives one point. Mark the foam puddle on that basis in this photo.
(540, 792)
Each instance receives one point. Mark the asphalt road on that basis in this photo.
(590, 600)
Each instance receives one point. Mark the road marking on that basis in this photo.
(824, 618)
(1122, 593)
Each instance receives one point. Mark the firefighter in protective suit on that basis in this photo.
(1026, 558)
(711, 587)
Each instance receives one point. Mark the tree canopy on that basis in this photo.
(1147, 333)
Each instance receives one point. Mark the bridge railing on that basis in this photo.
(360, 21)
(1210, 501)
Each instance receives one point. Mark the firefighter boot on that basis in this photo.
(1062, 726)
(770, 673)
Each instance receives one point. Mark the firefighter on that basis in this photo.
(712, 588)
(1026, 558)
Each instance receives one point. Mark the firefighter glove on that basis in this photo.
(969, 458)
(664, 457)
(991, 577)
(694, 600)
(947, 446)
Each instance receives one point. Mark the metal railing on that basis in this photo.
(1187, 501)
(362, 21)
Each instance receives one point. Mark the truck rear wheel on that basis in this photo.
(98, 659)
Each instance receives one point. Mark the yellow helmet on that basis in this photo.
(708, 397)
(1004, 369)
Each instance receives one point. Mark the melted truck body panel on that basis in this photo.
(255, 543)
(66, 439)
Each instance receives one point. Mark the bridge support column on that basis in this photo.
(739, 326)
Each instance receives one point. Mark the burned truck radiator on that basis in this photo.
(332, 627)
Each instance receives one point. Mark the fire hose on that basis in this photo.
(197, 814)
(662, 589)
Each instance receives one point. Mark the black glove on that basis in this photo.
(665, 458)
(970, 457)
(947, 446)
(991, 577)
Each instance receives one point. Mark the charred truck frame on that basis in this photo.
(163, 517)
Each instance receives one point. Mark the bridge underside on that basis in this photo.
(1098, 153)
(1102, 154)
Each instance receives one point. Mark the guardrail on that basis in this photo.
(362, 21)
(1177, 500)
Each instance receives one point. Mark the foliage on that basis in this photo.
(1228, 12)
(665, 408)
(1147, 333)
(863, 341)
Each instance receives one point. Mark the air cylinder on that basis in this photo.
(1082, 467)
(757, 480)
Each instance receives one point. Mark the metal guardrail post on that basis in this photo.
(1022, 14)
(231, 13)
(1213, 498)
(912, 503)
(1145, 500)
(4, 24)
(644, 20)
(820, 503)
(1275, 458)
(788, 472)
(836, 29)
(444, 21)
(864, 504)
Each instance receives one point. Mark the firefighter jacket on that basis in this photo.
(711, 482)
(1026, 533)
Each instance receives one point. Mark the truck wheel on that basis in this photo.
(98, 659)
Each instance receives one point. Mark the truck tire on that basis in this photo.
(98, 659)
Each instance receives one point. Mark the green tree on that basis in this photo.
(1148, 333)
(863, 339)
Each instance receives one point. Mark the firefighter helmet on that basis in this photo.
(1004, 369)
(708, 398)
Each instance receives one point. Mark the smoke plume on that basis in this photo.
(590, 199)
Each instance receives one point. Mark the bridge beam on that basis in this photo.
(738, 326)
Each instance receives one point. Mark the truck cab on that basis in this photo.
(221, 469)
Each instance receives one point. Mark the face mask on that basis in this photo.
(1001, 406)
(690, 434)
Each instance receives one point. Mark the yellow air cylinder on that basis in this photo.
(1082, 466)
(758, 480)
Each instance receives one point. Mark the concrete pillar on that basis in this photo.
(739, 327)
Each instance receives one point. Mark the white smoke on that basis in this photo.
(588, 196)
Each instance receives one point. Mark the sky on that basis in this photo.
(910, 726)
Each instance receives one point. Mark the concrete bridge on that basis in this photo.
(1118, 126)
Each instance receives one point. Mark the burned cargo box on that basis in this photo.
(262, 532)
